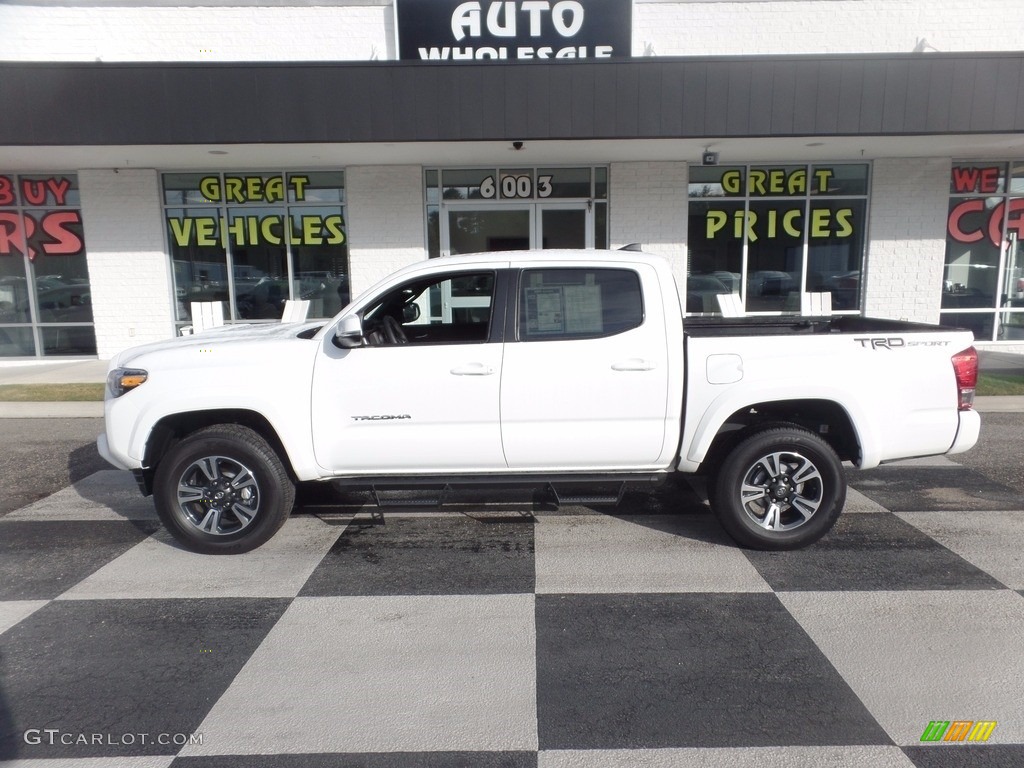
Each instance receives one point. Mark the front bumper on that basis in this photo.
(104, 448)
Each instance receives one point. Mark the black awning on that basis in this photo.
(645, 98)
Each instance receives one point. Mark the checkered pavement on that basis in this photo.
(510, 636)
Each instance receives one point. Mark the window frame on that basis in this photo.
(499, 301)
(806, 200)
(38, 330)
(514, 327)
(224, 209)
(999, 321)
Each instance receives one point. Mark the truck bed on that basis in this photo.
(783, 326)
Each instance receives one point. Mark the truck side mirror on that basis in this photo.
(349, 333)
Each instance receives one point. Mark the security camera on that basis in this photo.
(517, 145)
(709, 158)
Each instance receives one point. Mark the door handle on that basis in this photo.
(633, 364)
(472, 369)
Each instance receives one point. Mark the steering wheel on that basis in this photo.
(393, 331)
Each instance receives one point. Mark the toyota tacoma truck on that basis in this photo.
(558, 370)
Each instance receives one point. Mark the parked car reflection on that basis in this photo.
(67, 304)
(701, 293)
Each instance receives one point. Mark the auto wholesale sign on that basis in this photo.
(513, 30)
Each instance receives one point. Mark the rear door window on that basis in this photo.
(578, 303)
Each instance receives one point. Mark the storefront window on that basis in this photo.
(983, 282)
(771, 233)
(45, 297)
(256, 240)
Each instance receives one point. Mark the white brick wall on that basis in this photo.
(907, 238)
(385, 221)
(720, 28)
(364, 29)
(125, 33)
(129, 272)
(648, 206)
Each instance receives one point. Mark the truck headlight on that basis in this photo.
(121, 380)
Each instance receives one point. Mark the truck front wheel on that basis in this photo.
(781, 488)
(222, 490)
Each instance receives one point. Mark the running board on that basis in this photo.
(413, 497)
(428, 492)
(587, 495)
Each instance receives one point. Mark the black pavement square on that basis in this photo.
(127, 673)
(933, 489)
(41, 560)
(688, 670)
(367, 760)
(429, 555)
(676, 495)
(870, 552)
(967, 755)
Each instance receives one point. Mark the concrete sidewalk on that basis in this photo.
(95, 371)
(49, 372)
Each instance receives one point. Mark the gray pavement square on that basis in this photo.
(662, 671)
(915, 657)
(385, 674)
(991, 541)
(109, 494)
(14, 611)
(639, 553)
(160, 568)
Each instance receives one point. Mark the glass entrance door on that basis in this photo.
(468, 228)
(564, 225)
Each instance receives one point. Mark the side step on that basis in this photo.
(435, 491)
(418, 497)
(436, 497)
(569, 494)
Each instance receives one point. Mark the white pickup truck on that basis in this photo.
(557, 369)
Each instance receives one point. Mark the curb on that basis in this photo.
(92, 409)
(1006, 404)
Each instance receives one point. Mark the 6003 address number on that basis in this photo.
(516, 187)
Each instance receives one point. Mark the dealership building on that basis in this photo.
(154, 155)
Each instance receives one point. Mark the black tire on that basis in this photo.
(795, 485)
(223, 490)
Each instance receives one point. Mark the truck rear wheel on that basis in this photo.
(223, 490)
(781, 488)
